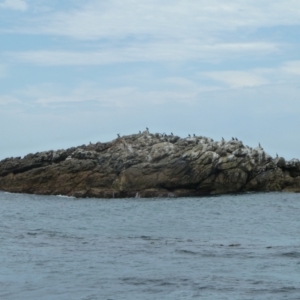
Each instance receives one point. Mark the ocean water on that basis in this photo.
(225, 247)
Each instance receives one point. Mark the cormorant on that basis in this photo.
(189, 135)
(118, 135)
(147, 128)
(172, 133)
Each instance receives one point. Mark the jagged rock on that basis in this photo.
(280, 162)
(150, 165)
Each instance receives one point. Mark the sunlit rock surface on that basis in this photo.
(150, 165)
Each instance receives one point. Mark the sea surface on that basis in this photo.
(226, 247)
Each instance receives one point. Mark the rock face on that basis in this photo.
(150, 165)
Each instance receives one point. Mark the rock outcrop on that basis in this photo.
(150, 165)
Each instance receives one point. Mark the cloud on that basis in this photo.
(3, 71)
(167, 51)
(292, 67)
(14, 4)
(238, 79)
(282, 74)
(6, 100)
(115, 19)
(157, 91)
(89, 96)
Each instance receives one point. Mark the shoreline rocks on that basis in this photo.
(150, 165)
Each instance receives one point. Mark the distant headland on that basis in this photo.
(151, 165)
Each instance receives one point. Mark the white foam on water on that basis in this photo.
(63, 196)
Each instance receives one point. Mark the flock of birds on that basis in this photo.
(223, 140)
(233, 138)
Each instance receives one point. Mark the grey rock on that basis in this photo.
(150, 165)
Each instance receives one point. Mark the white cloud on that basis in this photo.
(8, 99)
(91, 95)
(278, 75)
(292, 67)
(14, 4)
(174, 19)
(3, 71)
(160, 51)
(238, 79)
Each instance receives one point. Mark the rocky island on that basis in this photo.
(150, 165)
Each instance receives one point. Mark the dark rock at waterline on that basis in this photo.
(150, 165)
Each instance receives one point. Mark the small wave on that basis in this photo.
(285, 289)
(31, 233)
(146, 238)
(187, 252)
(147, 281)
(292, 254)
(258, 282)
(64, 196)
(20, 236)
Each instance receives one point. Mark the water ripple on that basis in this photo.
(225, 247)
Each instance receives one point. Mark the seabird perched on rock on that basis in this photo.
(139, 132)
(276, 155)
(189, 135)
(236, 139)
(118, 134)
(172, 133)
(233, 139)
(147, 128)
(259, 145)
(223, 139)
(194, 135)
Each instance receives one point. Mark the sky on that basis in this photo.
(74, 72)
